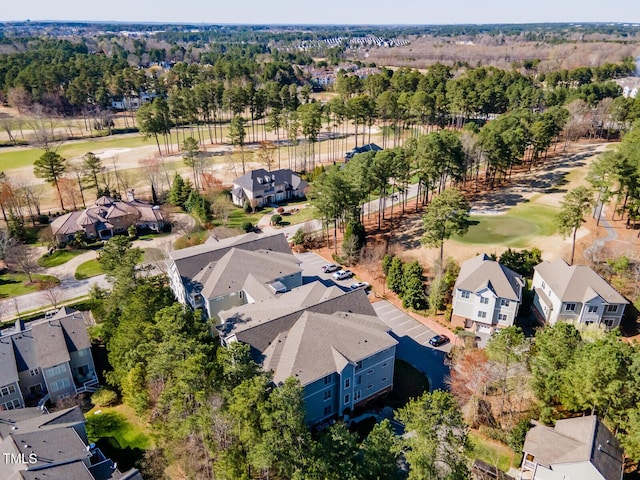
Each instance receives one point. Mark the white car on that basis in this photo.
(330, 267)
(359, 285)
(343, 274)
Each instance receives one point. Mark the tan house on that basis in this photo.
(575, 449)
(575, 294)
(108, 217)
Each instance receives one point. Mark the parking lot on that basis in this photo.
(413, 344)
(412, 336)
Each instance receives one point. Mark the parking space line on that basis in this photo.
(413, 328)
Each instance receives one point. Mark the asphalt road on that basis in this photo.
(413, 344)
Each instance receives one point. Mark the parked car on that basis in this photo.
(359, 285)
(343, 274)
(438, 340)
(330, 267)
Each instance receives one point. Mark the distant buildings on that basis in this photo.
(108, 217)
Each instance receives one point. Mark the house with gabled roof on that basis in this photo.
(186, 267)
(40, 445)
(46, 359)
(486, 295)
(108, 217)
(369, 147)
(332, 342)
(575, 448)
(575, 294)
(261, 187)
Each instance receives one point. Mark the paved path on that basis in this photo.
(413, 347)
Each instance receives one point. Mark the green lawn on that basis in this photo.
(490, 451)
(88, 269)
(514, 228)
(15, 284)
(25, 157)
(303, 215)
(119, 423)
(58, 258)
(237, 217)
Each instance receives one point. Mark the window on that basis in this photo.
(370, 372)
(608, 322)
(347, 383)
(326, 395)
(482, 314)
(504, 302)
(57, 370)
(359, 380)
(11, 405)
(34, 372)
(8, 390)
(502, 317)
(327, 380)
(357, 395)
(36, 389)
(484, 300)
(464, 294)
(570, 307)
(60, 385)
(346, 399)
(83, 370)
(612, 308)
(327, 410)
(384, 364)
(384, 379)
(370, 386)
(543, 285)
(593, 309)
(358, 366)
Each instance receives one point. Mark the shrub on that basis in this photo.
(298, 237)
(104, 397)
(276, 219)
(246, 206)
(42, 219)
(280, 210)
(246, 226)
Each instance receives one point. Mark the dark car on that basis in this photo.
(438, 340)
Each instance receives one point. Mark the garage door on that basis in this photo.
(483, 329)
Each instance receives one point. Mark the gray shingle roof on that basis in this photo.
(231, 272)
(55, 446)
(583, 439)
(8, 366)
(257, 179)
(189, 261)
(50, 344)
(481, 272)
(31, 419)
(577, 283)
(319, 344)
(259, 333)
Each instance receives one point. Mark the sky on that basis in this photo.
(325, 11)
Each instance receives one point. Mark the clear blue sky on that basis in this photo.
(326, 11)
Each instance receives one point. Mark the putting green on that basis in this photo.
(512, 229)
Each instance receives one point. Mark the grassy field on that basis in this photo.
(58, 258)
(490, 451)
(15, 284)
(88, 269)
(121, 423)
(514, 228)
(237, 217)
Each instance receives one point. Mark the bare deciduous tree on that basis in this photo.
(22, 259)
(51, 291)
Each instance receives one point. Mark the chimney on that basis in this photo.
(18, 325)
(130, 196)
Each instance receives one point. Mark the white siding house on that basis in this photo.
(486, 295)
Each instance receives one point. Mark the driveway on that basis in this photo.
(413, 338)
